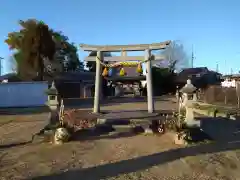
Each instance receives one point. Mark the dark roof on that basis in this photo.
(191, 71)
(131, 74)
(65, 76)
(76, 76)
(216, 73)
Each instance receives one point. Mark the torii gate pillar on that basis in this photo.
(98, 83)
(149, 81)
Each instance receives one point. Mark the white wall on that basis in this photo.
(228, 83)
(23, 94)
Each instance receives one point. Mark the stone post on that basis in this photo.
(149, 81)
(195, 96)
(185, 99)
(118, 91)
(189, 113)
(85, 91)
(98, 85)
(177, 94)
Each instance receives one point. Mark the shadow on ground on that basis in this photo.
(223, 131)
(6, 146)
(141, 163)
(107, 133)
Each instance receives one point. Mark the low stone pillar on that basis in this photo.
(185, 99)
(177, 94)
(195, 97)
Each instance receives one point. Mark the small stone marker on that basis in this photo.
(101, 121)
(148, 130)
(179, 139)
(61, 135)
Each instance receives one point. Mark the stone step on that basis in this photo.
(123, 122)
(117, 128)
(123, 128)
(129, 128)
(130, 120)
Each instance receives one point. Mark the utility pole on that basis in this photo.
(1, 65)
(225, 66)
(217, 69)
(192, 63)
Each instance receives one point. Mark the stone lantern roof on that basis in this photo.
(52, 90)
(188, 88)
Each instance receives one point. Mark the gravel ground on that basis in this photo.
(121, 157)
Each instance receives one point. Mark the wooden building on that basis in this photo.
(130, 83)
(75, 84)
(201, 77)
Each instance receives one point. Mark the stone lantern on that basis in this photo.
(53, 104)
(52, 97)
(188, 91)
(188, 102)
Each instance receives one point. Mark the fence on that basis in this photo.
(23, 94)
(219, 95)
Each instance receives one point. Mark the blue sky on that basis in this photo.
(211, 26)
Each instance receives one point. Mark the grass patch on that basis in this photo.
(194, 135)
(213, 109)
(5, 120)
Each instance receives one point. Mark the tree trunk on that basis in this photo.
(40, 68)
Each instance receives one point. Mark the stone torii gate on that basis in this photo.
(124, 49)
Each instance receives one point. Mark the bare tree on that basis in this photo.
(176, 56)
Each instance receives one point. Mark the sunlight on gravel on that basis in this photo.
(90, 159)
